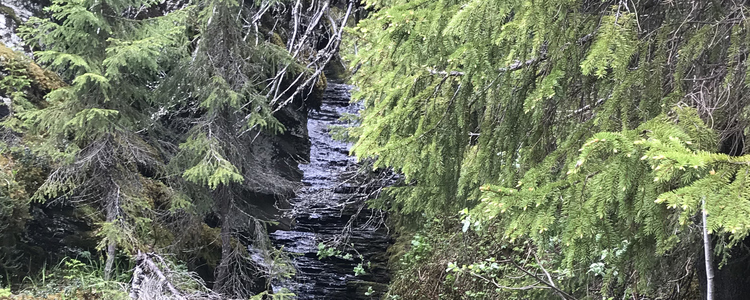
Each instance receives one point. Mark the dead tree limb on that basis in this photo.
(551, 285)
(144, 271)
(325, 56)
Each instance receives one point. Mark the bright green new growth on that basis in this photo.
(591, 127)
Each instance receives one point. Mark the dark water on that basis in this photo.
(322, 210)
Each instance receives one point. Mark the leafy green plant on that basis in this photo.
(76, 278)
(359, 270)
(325, 251)
(420, 249)
(369, 291)
(5, 292)
(284, 294)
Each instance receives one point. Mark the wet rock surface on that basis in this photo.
(12, 14)
(324, 208)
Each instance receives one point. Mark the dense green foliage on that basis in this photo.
(95, 119)
(556, 148)
(167, 119)
(584, 134)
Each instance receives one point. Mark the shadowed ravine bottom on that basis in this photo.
(322, 210)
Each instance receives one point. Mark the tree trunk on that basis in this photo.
(222, 272)
(707, 255)
(110, 263)
(223, 203)
(113, 211)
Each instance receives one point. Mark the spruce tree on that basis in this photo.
(245, 77)
(173, 115)
(111, 58)
(575, 130)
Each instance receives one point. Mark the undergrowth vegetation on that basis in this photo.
(74, 279)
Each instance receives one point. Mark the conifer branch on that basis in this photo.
(518, 64)
(447, 109)
(145, 265)
(551, 285)
(513, 67)
(586, 108)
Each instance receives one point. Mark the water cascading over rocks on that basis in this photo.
(324, 208)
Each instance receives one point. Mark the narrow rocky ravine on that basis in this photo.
(322, 210)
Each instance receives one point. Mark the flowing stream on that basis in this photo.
(322, 210)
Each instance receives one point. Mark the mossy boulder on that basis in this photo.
(20, 72)
(336, 69)
(315, 98)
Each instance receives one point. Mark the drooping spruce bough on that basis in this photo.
(581, 137)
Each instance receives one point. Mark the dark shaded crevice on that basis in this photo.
(322, 210)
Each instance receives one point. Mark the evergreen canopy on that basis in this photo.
(169, 115)
(583, 127)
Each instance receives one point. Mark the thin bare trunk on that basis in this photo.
(707, 254)
(226, 248)
(110, 263)
(561, 293)
(113, 211)
(223, 204)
